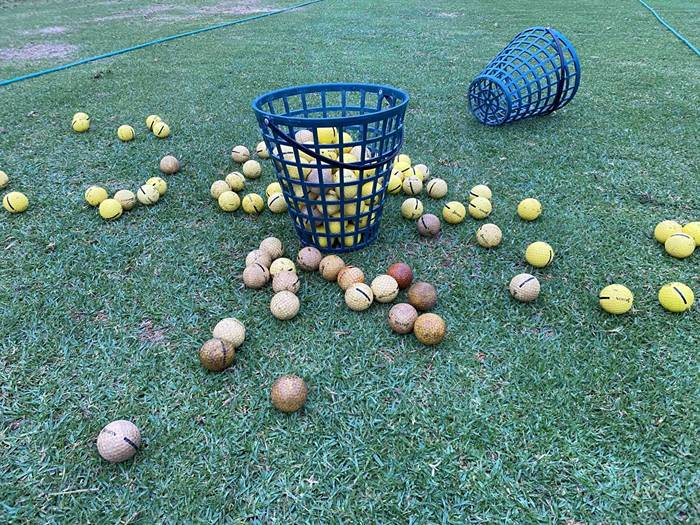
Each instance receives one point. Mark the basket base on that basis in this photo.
(488, 101)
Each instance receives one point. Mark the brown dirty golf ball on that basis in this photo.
(289, 393)
(118, 441)
(216, 355)
(422, 296)
(429, 329)
(286, 281)
(230, 330)
(402, 273)
(349, 276)
(428, 225)
(524, 287)
(256, 276)
(401, 318)
(169, 165)
(330, 267)
(309, 259)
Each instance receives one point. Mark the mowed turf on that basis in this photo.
(551, 412)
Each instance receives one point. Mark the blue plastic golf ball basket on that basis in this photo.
(335, 201)
(537, 73)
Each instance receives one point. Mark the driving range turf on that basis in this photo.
(552, 412)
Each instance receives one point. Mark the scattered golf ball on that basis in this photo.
(524, 287)
(288, 393)
(430, 329)
(665, 229)
(4, 179)
(309, 259)
(539, 254)
(428, 225)
(118, 441)
(676, 297)
(169, 165)
(412, 185)
(216, 355)
(258, 256)
(151, 121)
(126, 133)
(230, 330)
(422, 296)
(94, 195)
(385, 288)
(229, 201)
(284, 305)
(480, 190)
(489, 236)
(350, 275)
(110, 209)
(147, 195)
(261, 150)
(480, 207)
(412, 208)
(218, 187)
(273, 247)
(253, 204)
(80, 123)
(159, 184)
(282, 264)
(330, 266)
(693, 229)
(161, 129)
(436, 188)
(240, 154)
(529, 209)
(276, 203)
(454, 212)
(15, 202)
(402, 273)
(126, 198)
(402, 317)
(256, 276)
(359, 297)
(616, 299)
(286, 281)
(252, 169)
(235, 181)
(680, 245)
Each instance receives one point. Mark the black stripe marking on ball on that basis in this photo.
(526, 281)
(7, 200)
(681, 294)
(363, 293)
(422, 220)
(551, 256)
(130, 443)
(604, 298)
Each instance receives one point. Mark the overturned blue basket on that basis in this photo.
(536, 73)
(333, 213)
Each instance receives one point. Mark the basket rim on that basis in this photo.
(329, 121)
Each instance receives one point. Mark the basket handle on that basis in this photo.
(562, 72)
(384, 158)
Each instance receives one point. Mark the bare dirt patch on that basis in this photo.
(51, 30)
(235, 8)
(149, 333)
(36, 52)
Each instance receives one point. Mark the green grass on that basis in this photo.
(552, 412)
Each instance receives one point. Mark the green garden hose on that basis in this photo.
(154, 42)
(671, 28)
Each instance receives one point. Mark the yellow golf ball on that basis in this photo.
(147, 195)
(273, 187)
(480, 207)
(412, 208)
(126, 198)
(539, 254)
(616, 299)
(159, 184)
(480, 190)
(110, 209)
(161, 129)
(680, 245)
(276, 203)
(665, 229)
(94, 195)
(394, 185)
(676, 297)
(15, 202)
(529, 209)
(253, 203)
(4, 179)
(235, 181)
(126, 133)
(151, 120)
(229, 201)
(80, 125)
(692, 229)
(454, 212)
